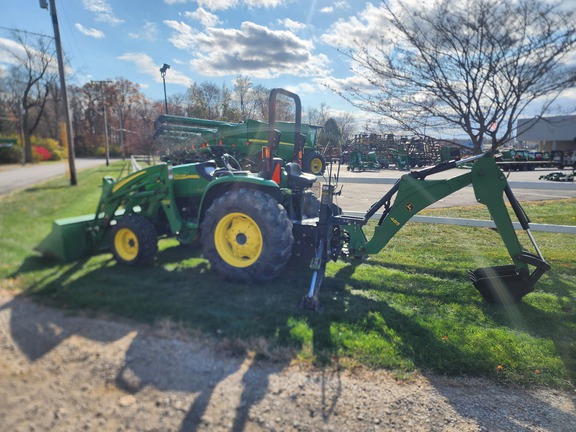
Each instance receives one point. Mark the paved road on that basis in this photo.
(16, 177)
(360, 190)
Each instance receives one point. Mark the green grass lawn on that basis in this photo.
(409, 308)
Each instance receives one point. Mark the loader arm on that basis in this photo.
(148, 189)
(414, 192)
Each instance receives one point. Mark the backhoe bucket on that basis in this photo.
(506, 284)
(501, 284)
(69, 239)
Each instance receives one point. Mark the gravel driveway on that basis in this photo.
(71, 373)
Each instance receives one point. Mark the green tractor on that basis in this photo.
(250, 225)
(245, 222)
(242, 140)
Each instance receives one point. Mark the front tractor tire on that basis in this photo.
(133, 241)
(247, 236)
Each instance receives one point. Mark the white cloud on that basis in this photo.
(253, 49)
(292, 25)
(207, 19)
(171, 2)
(342, 84)
(217, 4)
(335, 6)
(149, 32)
(185, 35)
(92, 32)
(11, 51)
(369, 23)
(102, 10)
(228, 4)
(146, 65)
(15, 54)
(263, 3)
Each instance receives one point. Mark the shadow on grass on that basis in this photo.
(179, 289)
(251, 322)
(46, 188)
(533, 316)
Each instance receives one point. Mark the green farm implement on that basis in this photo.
(368, 162)
(242, 140)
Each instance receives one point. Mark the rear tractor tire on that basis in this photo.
(247, 236)
(133, 241)
(313, 162)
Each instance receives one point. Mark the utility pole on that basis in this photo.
(69, 134)
(101, 85)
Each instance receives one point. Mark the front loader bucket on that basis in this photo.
(69, 239)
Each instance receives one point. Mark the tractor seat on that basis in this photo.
(206, 169)
(296, 178)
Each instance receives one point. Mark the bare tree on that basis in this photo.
(472, 66)
(261, 97)
(177, 103)
(346, 124)
(318, 116)
(124, 95)
(142, 122)
(204, 100)
(31, 80)
(228, 110)
(244, 93)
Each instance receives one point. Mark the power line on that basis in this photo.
(26, 31)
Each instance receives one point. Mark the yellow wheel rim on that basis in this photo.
(126, 244)
(238, 240)
(316, 165)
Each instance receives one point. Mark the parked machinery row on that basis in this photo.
(374, 152)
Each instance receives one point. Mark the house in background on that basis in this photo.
(547, 133)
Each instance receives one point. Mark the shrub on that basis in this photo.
(51, 149)
(10, 155)
(41, 153)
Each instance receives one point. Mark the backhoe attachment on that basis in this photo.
(412, 193)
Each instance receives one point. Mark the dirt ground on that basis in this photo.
(62, 372)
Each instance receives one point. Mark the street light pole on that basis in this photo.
(69, 134)
(163, 70)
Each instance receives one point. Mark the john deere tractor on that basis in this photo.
(249, 225)
(245, 222)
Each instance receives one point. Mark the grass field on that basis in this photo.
(409, 308)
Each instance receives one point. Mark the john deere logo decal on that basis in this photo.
(409, 207)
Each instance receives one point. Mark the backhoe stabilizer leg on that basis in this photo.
(310, 300)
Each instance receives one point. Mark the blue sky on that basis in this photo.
(277, 43)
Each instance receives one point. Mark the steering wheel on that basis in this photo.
(230, 162)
